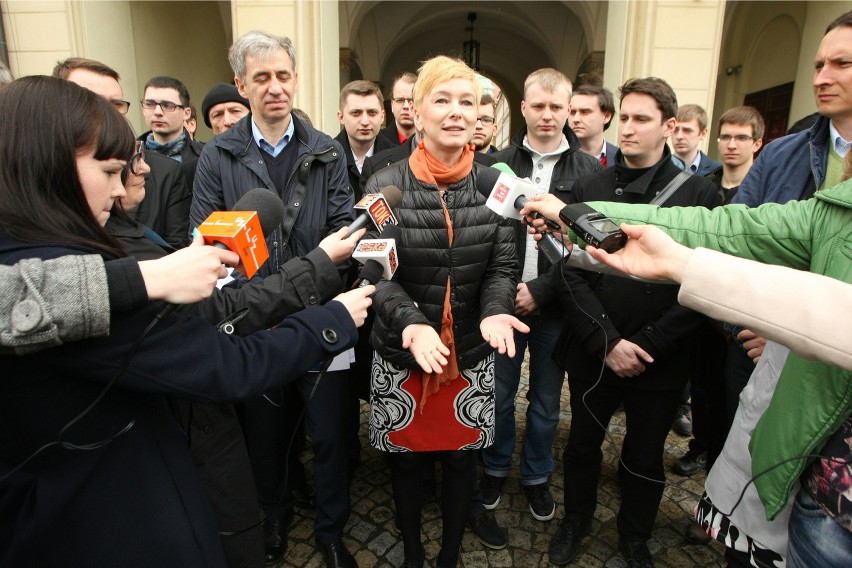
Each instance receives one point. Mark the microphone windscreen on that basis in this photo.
(392, 232)
(392, 195)
(270, 209)
(486, 179)
(371, 271)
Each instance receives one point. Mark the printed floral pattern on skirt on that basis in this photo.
(460, 416)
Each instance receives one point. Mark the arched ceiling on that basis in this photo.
(515, 38)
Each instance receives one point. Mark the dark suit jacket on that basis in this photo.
(188, 156)
(380, 144)
(167, 199)
(611, 149)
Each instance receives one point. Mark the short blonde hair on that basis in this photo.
(439, 70)
(548, 79)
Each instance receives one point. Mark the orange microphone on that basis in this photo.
(243, 229)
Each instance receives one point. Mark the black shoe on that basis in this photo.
(542, 506)
(692, 462)
(274, 540)
(336, 555)
(566, 542)
(635, 552)
(303, 498)
(412, 563)
(696, 534)
(682, 424)
(485, 527)
(491, 487)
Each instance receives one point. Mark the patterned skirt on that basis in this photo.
(460, 416)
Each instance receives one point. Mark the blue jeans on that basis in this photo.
(545, 388)
(816, 539)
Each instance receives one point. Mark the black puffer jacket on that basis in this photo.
(480, 264)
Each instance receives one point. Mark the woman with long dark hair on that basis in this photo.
(94, 470)
(448, 307)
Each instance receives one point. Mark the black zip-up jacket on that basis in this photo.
(480, 265)
(572, 164)
(318, 194)
(603, 308)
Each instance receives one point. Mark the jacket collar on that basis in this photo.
(640, 185)
(238, 139)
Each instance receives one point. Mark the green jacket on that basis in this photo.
(812, 399)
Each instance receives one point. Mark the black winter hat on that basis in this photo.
(221, 93)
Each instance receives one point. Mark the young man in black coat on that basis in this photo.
(625, 341)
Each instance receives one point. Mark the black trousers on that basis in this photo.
(458, 469)
(707, 385)
(649, 416)
(271, 424)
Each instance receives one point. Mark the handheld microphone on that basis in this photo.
(257, 214)
(507, 195)
(370, 273)
(377, 209)
(380, 251)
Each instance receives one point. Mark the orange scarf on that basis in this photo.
(428, 169)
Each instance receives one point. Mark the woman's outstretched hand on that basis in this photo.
(499, 331)
(425, 344)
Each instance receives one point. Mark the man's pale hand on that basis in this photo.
(339, 248)
(627, 359)
(549, 206)
(499, 331)
(752, 343)
(525, 303)
(425, 344)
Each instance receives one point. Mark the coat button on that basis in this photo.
(604, 316)
(329, 335)
(312, 300)
(208, 429)
(306, 164)
(619, 191)
(296, 204)
(649, 329)
(26, 316)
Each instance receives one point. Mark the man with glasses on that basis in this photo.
(548, 152)
(167, 196)
(402, 106)
(486, 125)
(166, 108)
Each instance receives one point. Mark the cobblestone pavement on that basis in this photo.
(372, 538)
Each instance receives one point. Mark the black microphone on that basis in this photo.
(377, 209)
(370, 273)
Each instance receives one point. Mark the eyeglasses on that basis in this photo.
(167, 106)
(122, 106)
(134, 164)
(486, 120)
(740, 138)
(403, 100)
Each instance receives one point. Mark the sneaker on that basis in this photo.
(692, 462)
(485, 527)
(635, 552)
(542, 506)
(491, 485)
(566, 542)
(682, 423)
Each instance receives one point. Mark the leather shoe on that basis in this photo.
(274, 540)
(635, 552)
(336, 555)
(303, 498)
(566, 542)
(696, 534)
(489, 532)
(691, 463)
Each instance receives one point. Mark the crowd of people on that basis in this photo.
(155, 404)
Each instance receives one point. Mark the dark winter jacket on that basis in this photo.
(480, 265)
(791, 167)
(319, 200)
(136, 500)
(380, 144)
(602, 308)
(188, 156)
